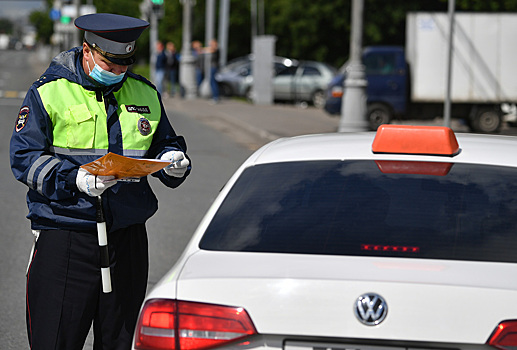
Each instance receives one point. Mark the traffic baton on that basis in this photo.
(103, 245)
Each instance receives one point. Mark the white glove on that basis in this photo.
(179, 163)
(93, 185)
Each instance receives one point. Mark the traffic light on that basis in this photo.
(157, 7)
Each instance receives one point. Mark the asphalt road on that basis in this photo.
(214, 156)
(15, 240)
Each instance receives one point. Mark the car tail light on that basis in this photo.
(182, 325)
(336, 91)
(504, 336)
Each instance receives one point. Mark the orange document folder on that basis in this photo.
(124, 167)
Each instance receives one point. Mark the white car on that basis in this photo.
(303, 82)
(396, 240)
(236, 77)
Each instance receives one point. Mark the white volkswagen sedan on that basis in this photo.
(402, 239)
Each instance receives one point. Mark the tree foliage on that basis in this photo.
(6, 26)
(304, 29)
(43, 24)
(320, 30)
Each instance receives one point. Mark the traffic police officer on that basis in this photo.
(85, 105)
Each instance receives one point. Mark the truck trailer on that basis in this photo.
(411, 82)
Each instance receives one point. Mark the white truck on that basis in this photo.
(410, 82)
(484, 67)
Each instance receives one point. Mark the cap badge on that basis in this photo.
(144, 126)
(129, 48)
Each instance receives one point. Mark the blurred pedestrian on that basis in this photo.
(197, 52)
(160, 66)
(172, 66)
(213, 50)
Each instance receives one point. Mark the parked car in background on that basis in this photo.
(402, 239)
(386, 89)
(335, 91)
(304, 82)
(235, 77)
(230, 76)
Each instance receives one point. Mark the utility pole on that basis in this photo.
(224, 20)
(253, 14)
(156, 12)
(261, 22)
(447, 104)
(206, 91)
(353, 108)
(188, 63)
(153, 38)
(76, 39)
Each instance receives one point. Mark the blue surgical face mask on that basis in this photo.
(103, 76)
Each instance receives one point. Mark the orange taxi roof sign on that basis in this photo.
(411, 139)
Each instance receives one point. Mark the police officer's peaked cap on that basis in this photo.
(112, 35)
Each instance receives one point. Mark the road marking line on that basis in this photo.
(12, 94)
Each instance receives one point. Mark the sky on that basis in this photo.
(18, 9)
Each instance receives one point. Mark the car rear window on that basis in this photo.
(363, 208)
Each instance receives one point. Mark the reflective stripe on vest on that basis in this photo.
(80, 121)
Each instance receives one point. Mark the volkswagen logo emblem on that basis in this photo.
(370, 309)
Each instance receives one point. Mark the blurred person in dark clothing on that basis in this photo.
(172, 66)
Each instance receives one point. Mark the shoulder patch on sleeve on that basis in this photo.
(22, 119)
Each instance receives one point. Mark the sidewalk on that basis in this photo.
(252, 125)
(255, 125)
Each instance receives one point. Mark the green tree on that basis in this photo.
(120, 7)
(304, 29)
(6, 26)
(43, 24)
(170, 27)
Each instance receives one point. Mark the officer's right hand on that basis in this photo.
(179, 163)
(91, 184)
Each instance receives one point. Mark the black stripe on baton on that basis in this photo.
(100, 212)
(105, 259)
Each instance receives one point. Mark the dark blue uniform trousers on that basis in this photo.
(64, 290)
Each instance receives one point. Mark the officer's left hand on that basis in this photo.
(179, 163)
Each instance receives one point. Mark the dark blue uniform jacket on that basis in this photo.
(53, 199)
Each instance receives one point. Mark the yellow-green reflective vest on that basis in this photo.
(80, 121)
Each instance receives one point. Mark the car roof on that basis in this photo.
(473, 148)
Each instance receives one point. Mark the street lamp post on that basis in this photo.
(353, 108)
(155, 11)
(153, 38)
(205, 88)
(447, 104)
(224, 20)
(187, 62)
